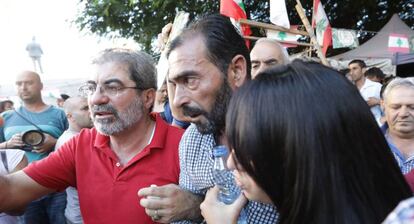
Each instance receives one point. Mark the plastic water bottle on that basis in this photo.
(228, 191)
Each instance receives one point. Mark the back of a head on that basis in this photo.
(141, 66)
(222, 40)
(317, 134)
(375, 72)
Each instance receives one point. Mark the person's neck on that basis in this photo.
(35, 106)
(74, 128)
(133, 140)
(359, 83)
(404, 142)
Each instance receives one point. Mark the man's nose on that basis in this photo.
(98, 97)
(180, 96)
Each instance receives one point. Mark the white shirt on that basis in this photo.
(372, 89)
(14, 157)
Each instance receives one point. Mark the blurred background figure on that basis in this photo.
(375, 74)
(35, 52)
(12, 160)
(77, 112)
(6, 105)
(267, 53)
(61, 99)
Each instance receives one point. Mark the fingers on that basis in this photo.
(162, 191)
(240, 201)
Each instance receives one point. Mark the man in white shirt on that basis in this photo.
(369, 90)
(77, 112)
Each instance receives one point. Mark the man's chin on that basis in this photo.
(205, 128)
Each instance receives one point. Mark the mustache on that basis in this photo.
(192, 111)
(104, 108)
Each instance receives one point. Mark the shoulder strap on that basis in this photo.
(20, 115)
(4, 159)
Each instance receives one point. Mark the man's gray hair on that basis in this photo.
(398, 82)
(140, 65)
(285, 54)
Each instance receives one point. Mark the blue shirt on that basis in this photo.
(406, 165)
(52, 121)
(196, 173)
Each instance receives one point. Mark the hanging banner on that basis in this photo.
(398, 43)
(283, 36)
(278, 13)
(342, 38)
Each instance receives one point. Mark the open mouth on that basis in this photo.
(102, 114)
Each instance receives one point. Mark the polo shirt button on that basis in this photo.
(118, 164)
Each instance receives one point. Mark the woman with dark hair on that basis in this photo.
(304, 139)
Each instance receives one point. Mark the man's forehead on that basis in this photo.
(265, 51)
(110, 71)
(27, 76)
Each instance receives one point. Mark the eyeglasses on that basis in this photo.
(110, 90)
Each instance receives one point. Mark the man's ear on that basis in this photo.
(382, 104)
(148, 98)
(237, 71)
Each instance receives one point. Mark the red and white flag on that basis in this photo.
(235, 9)
(398, 43)
(322, 27)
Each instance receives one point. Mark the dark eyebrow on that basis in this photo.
(183, 75)
(109, 81)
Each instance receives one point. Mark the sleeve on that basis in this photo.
(57, 171)
(14, 157)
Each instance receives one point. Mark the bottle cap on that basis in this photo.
(220, 150)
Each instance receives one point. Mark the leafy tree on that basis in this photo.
(142, 20)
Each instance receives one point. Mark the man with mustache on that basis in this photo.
(35, 114)
(398, 106)
(207, 62)
(128, 149)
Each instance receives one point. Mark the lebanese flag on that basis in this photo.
(323, 28)
(398, 43)
(235, 9)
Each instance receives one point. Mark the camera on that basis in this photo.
(32, 138)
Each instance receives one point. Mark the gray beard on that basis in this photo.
(122, 121)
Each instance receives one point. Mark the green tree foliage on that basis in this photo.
(142, 20)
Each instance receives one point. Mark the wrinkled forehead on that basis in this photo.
(102, 73)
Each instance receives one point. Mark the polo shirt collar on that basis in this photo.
(158, 140)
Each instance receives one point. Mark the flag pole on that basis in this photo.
(309, 29)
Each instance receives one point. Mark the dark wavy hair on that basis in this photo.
(307, 137)
(221, 38)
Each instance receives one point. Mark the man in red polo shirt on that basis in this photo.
(128, 149)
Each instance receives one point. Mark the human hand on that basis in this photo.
(215, 211)
(170, 203)
(372, 101)
(163, 36)
(47, 145)
(14, 142)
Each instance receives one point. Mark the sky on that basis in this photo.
(67, 51)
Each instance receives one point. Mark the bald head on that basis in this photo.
(267, 53)
(29, 87)
(77, 112)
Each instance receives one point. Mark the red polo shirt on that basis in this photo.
(108, 191)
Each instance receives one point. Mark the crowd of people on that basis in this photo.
(306, 143)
